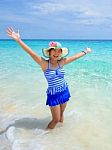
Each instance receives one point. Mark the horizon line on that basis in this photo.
(57, 39)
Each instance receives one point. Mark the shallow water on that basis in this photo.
(24, 116)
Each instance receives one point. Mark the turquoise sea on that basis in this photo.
(24, 115)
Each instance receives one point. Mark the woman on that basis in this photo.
(57, 93)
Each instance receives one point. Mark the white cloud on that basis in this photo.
(69, 14)
(80, 12)
(46, 8)
(68, 11)
(16, 18)
(57, 7)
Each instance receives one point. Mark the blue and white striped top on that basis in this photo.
(55, 79)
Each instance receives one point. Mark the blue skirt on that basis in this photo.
(58, 98)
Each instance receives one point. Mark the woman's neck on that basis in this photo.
(53, 61)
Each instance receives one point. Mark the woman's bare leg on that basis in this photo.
(62, 109)
(55, 111)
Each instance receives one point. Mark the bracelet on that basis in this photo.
(84, 52)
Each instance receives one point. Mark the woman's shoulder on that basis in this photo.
(44, 64)
(61, 62)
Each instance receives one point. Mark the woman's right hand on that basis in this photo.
(13, 34)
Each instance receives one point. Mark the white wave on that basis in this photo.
(16, 145)
(10, 134)
(40, 132)
(36, 146)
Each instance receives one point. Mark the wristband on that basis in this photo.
(84, 52)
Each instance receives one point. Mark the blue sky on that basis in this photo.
(57, 19)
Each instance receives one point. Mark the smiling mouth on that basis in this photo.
(55, 56)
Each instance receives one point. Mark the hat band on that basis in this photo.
(56, 47)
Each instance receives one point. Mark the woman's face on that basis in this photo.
(55, 54)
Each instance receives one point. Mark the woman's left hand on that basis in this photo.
(88, 50)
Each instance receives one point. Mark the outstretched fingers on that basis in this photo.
(9, 33)
(12, 33)
(10, 29)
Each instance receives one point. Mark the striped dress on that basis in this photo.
(57, 91)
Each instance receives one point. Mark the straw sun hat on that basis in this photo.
(55, 45)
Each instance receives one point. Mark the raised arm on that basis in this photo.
(16, 37)
(76, 56)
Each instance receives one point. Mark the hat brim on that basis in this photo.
(65, 51)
